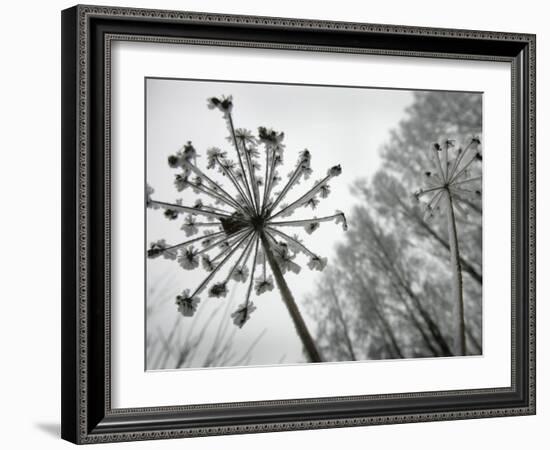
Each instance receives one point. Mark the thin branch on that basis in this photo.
(239, 261)
(459, 159)
(252, 274)
(191, 241)
(236, 144)
(236, 235)
(252, 178)
(293, 241)
(461, 171)
(304, 198)
(227, 170)
(189, 209)
(269, 184)
(213, 194)
(297, 223)
(201, 174)
(217, 268)
(293, 179)
(437, 162)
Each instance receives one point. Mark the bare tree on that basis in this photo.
(395, 287)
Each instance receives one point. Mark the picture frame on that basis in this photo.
(88, 33)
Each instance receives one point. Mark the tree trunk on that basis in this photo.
(387, 328)
(382, 319)
(347, 338)
(288, 298)
(458, 301)
(415, 321)
(391, 268)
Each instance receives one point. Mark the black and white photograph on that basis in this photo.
(293, 223)
(275, 225)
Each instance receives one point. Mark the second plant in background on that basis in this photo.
(449, 188)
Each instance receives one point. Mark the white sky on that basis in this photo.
(345, 126)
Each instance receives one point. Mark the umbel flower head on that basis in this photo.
(452, 175)
(452, 186)
(243, 230)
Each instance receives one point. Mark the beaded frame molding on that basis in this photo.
(87, 35)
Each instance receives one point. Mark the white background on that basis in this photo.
(31, 226)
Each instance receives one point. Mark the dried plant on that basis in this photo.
(451, 187)
(244, 224)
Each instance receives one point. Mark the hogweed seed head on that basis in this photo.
(230, 234)
(452, 175)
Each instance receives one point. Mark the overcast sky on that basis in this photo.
(339, 125)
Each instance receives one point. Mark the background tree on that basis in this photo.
(390, 295)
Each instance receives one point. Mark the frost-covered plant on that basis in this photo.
(243, 228)
(451, 187)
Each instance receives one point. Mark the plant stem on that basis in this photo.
(288, 298)
(460, 332)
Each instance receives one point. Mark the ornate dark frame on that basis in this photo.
(87, 32)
